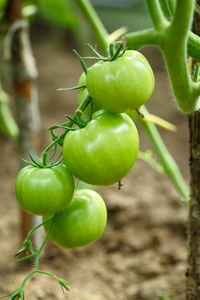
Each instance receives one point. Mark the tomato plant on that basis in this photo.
(81, 222)
(43, 191)
(104, 151)
(123, 84)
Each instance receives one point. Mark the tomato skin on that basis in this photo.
(83, 93)
(43, 191)
(104, 151)
(82, 81)
(123, 84)
(82, 222)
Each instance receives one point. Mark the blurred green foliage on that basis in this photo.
(59, 12)
(65, 13)
(2, 5)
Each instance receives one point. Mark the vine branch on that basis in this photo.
(156, 13)
(172, 38)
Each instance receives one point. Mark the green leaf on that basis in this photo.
(14, 294)
(83, 65)
(27, 162)
(79, 117)
(36, 157)
(26, 247)
(72, 88)
(54, 151)
(64, 284)
(79, 124)
(2, 6)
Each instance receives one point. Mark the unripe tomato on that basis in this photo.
(104, 151)
(123, 84)
(43, 191)
(82, 222)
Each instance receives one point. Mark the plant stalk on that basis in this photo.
(167, 160)
(156, 13)
(95, 23)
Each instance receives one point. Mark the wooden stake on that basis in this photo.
(17, 50)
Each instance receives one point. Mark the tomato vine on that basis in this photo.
(172, 37)
(35, 193)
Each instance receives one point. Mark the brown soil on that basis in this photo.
(142, 254)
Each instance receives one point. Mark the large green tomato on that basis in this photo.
(83, 93)
(123, 84)
(82, 222)
(43, 191)
(104, 151)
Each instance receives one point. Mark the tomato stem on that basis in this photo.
(167, 160)
(139, 113)
(20, 291)
(95, 23)
(60, 137)
(157, 16)
(172, 38)
(63, 283)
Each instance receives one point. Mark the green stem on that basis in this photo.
(171, 4)
(49, 274)
(166, 8)
(182, 18)
(193, 46)
(167, 160)
(138, 39)
(44, 242)
(95, 23)
(141, 38)
(174, 47)
(157, 16)
(37, 255)
(82, 107)
(145, 37)
(60, 137)
(34, 229)
(172, 40)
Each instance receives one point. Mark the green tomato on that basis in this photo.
(104, 151)
(82, 222)
(123, 84)
(43, 191)
(83, 93)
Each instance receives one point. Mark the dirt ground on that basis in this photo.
(142, 254)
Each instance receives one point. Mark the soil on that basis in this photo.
(143, 253)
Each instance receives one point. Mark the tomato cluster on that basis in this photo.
(100, 152)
